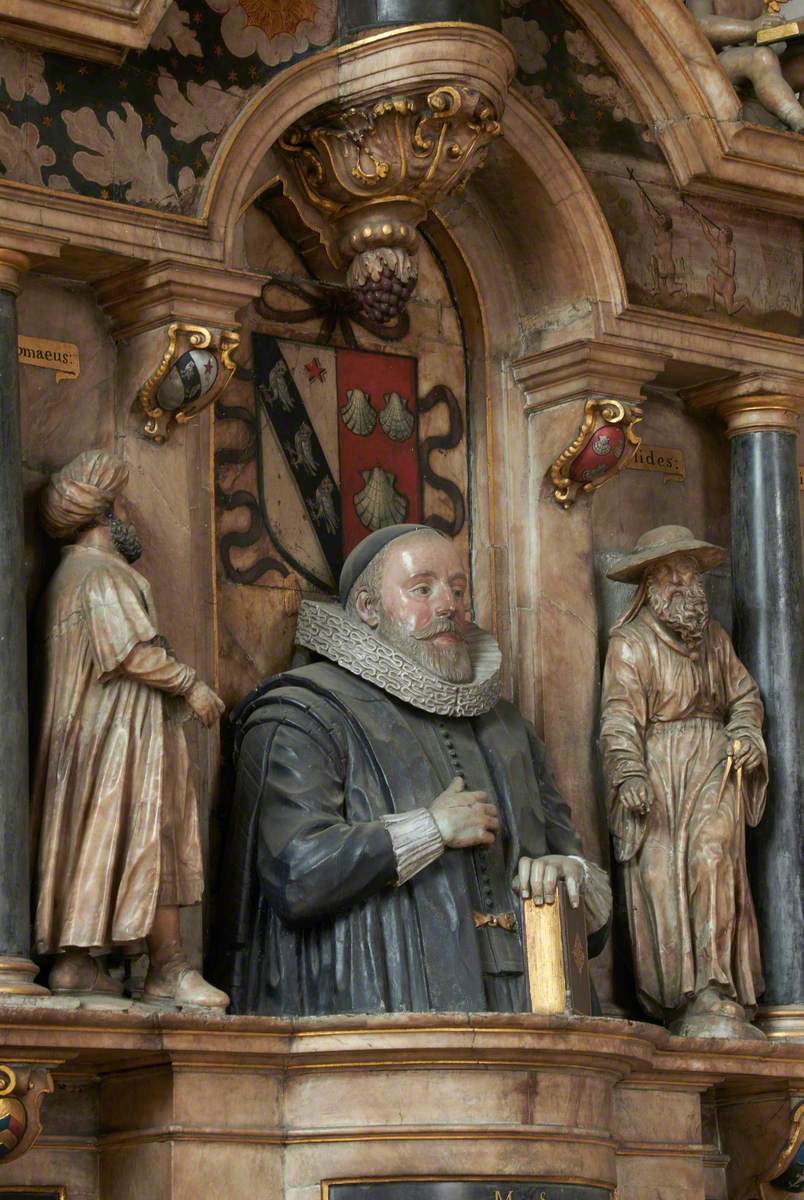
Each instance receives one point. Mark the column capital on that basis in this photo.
(20, 248)
(584, 368)
(156, 294)
(753, 403)
(13, 266)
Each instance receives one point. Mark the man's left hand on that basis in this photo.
(538, 877)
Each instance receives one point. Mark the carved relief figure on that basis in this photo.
(119, 850)
(687, 769)
(389, 804)
(731, 26)
(666, 275)
(721, 283)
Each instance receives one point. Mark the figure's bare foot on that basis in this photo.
(77, 972)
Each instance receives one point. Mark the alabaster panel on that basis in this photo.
(197, 1093)
(701, 257)
(561, 559)
(493, 1154)
(671, 1176)
(518, 1097)
(72, 1166)
(644, 1115)
(132, 1172)
(60, 417)
(223, 1168)
(137, 1100)
(382, 1098)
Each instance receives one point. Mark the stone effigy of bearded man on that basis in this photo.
(119, 850)
(686, 766)
(389, 805)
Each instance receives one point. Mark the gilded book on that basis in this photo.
(556, 959)
(781, 33)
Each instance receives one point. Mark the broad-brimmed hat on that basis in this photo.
(660, 543)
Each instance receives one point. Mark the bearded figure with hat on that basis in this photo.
(390, 805)
(114, 805)
(686, 767)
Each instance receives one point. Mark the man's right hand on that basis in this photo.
(768, 21)
(205, 703)
(464, 818)
(636, 795)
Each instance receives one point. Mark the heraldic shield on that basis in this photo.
(346, 423)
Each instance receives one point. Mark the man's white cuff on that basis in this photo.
(416, 840)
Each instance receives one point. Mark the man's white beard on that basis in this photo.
(684, 610)
(451, 662)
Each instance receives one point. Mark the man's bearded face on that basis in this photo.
(676, 596)
(421, 607)
(124, 537)
(430, 648)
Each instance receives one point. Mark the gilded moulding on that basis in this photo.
(371, 172)
(22, 1090)
(192, 375)
(605, 443)
(785, 1177)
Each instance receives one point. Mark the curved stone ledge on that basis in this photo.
(148, 1102)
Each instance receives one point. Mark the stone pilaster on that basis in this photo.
(17, 972)
(761, 415)
(556, 635)
(171, 486)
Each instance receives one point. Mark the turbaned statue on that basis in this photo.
(389, 805)
(687, 770)
(114, 804)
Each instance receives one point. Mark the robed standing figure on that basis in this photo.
(687, 770)
(119, 850)
(389, 805)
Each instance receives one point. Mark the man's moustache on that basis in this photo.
(438, 626)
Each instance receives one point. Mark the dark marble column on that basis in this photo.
(769, 637)
(16, 969)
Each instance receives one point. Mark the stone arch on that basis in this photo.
(421, 55)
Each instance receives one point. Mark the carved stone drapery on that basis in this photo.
(371, 172)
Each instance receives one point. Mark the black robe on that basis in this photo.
(313, 923)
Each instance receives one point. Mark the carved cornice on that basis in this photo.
(18, 249)
(584, 368)
(147, 297)
(754, 402)
(100, 29)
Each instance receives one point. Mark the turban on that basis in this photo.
(82, 492)
(368, 549)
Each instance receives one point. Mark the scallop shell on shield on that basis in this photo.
(358, 413)
(379, 503)
(396, 419)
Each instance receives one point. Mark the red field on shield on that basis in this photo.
(380, 495)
